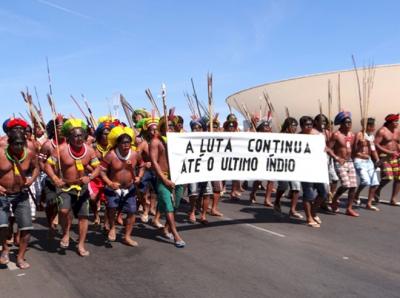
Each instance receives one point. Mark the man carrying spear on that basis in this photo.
(16, 160)
(75, 159)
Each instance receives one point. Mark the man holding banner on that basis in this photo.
(169, 194)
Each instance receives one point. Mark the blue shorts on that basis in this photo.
(20, 206)
(149, 179)
(121, 199)
(311, 190)
(366, 171)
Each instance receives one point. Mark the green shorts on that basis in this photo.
(165, 202)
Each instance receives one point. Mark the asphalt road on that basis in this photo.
(249, 253)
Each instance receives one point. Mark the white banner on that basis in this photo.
(213, 156)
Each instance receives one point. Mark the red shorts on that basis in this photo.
(96, 189)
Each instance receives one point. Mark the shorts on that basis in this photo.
(50, 192)
(366, 171)
(217, 186)
(200, 189)
(122, 199)
(333, 177)
(167, 204)
(312, 190)
(96, 189)
(19, 204)
(149, 179)
(292, 185)
(347, 174)
(75, 200)
(390, 167)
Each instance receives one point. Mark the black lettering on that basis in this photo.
(307, 150)
(297, 147)
(210, 163)
(189, 147)
(228, 146)
(249, 145)
(183, 170)
(201, 146)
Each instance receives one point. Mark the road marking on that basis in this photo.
(259, 228)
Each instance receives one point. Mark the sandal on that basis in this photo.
(168, 235)
(4, 258)
(296, 215)
(130, 242)
(22, 264)
(83, 252)
(180, 244)
(313, 225)
(64, 244)
(111, 237)
(372, 208)
(216, 213)
(317, 219)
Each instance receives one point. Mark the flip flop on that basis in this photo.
(64, 244)
(372, 208)
(4, 258)
(112, 238)
(203, 221)
(397, 204)
(83, 253)
(168, 235)
(157, 225)
(212, 213)
(313, 225)
(180, 244)
(132, 243)
(317, 219)
(296, 215)
(23, 265)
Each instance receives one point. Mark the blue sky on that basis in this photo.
(100, 48)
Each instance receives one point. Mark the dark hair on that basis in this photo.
(50, 126)
(320, 117)
(289, 121)
(305, 119)
(123, 136)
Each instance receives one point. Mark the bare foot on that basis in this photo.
(351, 212)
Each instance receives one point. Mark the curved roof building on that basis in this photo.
(302, 95)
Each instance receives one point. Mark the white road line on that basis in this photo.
(259, 228)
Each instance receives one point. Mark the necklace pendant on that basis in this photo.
(128, 162)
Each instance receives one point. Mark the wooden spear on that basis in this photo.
(210, 100)
(54, 114)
